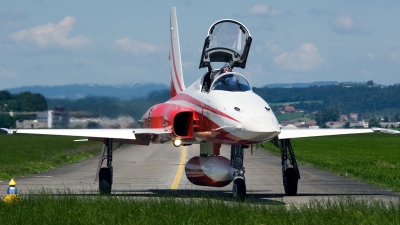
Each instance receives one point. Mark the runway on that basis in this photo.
(156, 170)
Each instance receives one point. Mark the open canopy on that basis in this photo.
(227, 41)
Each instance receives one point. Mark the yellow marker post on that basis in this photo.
(12, 193)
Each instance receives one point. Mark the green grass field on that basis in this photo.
(48, 208)
(27, 154)
(373, 158)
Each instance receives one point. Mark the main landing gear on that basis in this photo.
(106, 173)
(291, 175)
(239, 181)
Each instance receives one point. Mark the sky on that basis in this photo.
(44, 42)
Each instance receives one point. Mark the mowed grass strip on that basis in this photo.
(373, 158)
(48, 208)
(23, 154)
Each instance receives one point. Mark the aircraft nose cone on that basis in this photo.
(260, 128)
(258, 124)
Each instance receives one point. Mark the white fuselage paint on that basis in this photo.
(254, 121)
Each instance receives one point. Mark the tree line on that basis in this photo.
(22, 102)
(366, 100)
(112, 107)
(332, 99)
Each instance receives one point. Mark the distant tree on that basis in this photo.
(5, 96)
(370, 83)
(396, 118)
(386, 119)
(346, 125)
(14, 105)
(31, 102)
(327, 114)
(8, 121)
(373, 123)
(360, 117)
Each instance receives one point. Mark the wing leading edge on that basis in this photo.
(95, 133)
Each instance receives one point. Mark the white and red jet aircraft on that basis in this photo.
(218, 109)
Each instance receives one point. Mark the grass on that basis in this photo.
(49, 208)
(28, 154)
(373, 158)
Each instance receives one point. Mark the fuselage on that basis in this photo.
(219, 116)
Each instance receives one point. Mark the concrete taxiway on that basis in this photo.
(156, 170)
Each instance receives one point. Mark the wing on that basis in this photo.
(301, 133)
(99, 134)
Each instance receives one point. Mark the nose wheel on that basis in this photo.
(239, 181)
(239, 189)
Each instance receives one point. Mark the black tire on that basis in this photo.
(291, 182)
(105, 181)
(239, 189)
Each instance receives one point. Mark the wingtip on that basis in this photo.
(384, 130)
(9, 131)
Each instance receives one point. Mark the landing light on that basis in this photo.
(177, 143)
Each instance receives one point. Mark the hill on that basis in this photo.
(131, 91)
(76, 91)
(317, 83)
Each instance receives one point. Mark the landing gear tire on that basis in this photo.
(239, 189)
(105, 181)
(291, 182)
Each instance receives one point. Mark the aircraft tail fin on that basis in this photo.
(177, 84)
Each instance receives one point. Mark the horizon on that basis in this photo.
(167, 85)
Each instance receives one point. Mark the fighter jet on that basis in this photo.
(220, 108)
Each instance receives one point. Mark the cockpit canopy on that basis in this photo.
(227, 41)
(230, 82)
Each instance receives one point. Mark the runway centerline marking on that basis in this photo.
(178, 174)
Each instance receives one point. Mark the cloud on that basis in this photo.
(272, 46)
(395, 56)
(50, 34)
(13, 20)
(269, 45)
(320, 12)
(306, 57)
(189, 64)
(264, 10)
(344, 25)
(135, 47)
(8, 74)
(370, 55)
